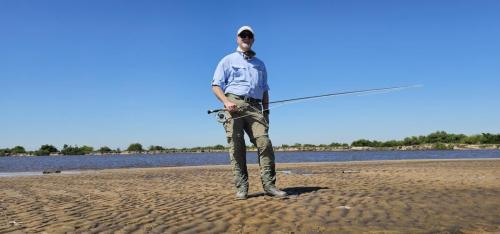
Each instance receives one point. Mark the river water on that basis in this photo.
(33, 165)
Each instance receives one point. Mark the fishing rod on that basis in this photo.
(330, 94)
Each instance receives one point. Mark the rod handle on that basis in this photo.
(213, 111)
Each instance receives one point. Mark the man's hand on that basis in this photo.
(230, 106)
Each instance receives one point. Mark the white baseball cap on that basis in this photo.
(245, 28)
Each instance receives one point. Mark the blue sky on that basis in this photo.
(117, 72)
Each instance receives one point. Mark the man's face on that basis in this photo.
(245, 40)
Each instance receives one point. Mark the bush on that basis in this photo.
(18, 150)
(135, 147)
(4, 152)
(361, 143)
(441, 146)
(75, 150)
(46, 150)
(105, 150)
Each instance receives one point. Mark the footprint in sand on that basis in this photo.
(344, 210)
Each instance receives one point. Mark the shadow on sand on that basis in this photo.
(302, 190)
(292, 191)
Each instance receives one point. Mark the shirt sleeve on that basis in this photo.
(219, 78)
(264, 76)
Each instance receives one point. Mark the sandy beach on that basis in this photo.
(421, 196)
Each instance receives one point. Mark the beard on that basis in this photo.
(245, 46)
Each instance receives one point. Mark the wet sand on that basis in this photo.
(447, 196)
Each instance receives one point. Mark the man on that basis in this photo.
(240, 83)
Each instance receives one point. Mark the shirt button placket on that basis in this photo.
(252, 79)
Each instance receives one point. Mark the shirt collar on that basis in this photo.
(248, 55)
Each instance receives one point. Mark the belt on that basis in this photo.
(245, 98)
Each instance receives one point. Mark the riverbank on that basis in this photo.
(351, 197)
(422, 147)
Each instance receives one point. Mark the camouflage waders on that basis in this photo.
(256, 127)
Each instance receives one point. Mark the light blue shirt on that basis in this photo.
(236, 75)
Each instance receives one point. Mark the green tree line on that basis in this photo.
(46, 150)
(439, 139)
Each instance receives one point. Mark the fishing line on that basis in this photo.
(280, 104)
(223, 116)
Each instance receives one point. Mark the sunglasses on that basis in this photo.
(246, 34)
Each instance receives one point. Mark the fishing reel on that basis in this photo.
(222, 116)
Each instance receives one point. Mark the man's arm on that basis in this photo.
(230, 106)
(265, 100)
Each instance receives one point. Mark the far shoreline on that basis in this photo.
(424, 147)
(279, 167)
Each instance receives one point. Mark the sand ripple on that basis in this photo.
(448, 196)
